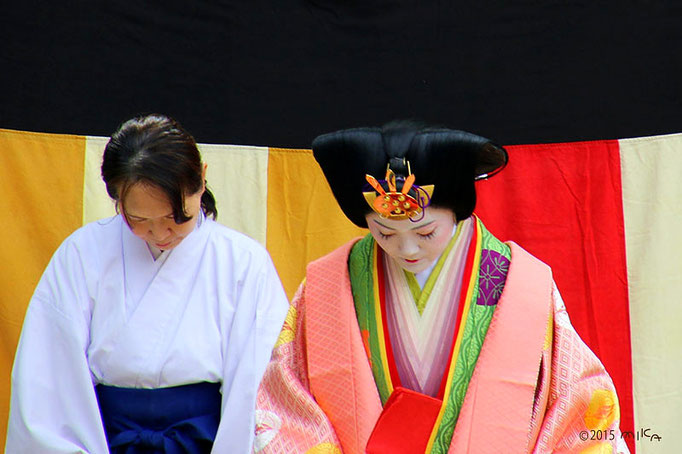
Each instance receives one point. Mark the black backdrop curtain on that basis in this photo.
(279, 73)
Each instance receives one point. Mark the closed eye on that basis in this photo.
(428, 236)
(384, 235)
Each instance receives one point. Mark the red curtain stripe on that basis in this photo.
(563, 203)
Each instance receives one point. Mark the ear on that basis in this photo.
(203, 176)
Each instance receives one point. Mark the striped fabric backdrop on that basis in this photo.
(603, 214)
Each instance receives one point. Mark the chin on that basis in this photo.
(417, 268)
(174, 244)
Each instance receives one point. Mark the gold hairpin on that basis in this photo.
(394, 204)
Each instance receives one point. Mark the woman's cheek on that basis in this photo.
(137, 229)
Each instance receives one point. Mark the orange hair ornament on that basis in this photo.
(394, 204)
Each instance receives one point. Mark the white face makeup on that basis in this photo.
(414, 245)
(150, 216)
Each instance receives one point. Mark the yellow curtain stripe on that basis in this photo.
(304, 221)
(41, 181)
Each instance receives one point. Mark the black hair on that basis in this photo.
(154, 149)
(430, 158)
(449, 159)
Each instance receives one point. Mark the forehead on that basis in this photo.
(431, 216)
(146, 201)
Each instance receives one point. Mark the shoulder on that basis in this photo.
(518, 252)
(81, 254)
(71, 277)
(232, 244)
(331, 270)
(523, 263)
(91, 240)
(338, 255)
(225, 236)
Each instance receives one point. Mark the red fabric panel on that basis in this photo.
(563, 204)
(406, 423)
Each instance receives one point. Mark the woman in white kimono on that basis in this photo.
(149, 331)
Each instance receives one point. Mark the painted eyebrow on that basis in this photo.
(414, 228)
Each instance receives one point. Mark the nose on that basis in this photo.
(158, 230)
(408, 248)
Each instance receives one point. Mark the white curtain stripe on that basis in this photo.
(652, 208)
(237, 176)
(96, 201)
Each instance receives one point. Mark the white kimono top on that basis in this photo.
(106, 312)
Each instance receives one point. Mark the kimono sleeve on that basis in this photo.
(288, 419)
(53, 407)
(261, 307)
(582, 414)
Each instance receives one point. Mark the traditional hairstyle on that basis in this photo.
(154, 149)
(450, 160)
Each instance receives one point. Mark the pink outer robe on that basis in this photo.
(536, 386)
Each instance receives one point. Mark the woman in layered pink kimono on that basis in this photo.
(149, 331)
(429, 334)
